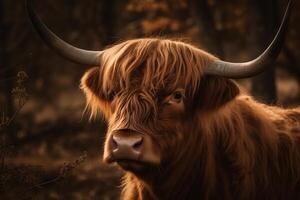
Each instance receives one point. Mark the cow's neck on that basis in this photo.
(165, 186)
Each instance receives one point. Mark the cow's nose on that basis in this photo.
(126, 145)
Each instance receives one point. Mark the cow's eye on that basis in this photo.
(177, 96)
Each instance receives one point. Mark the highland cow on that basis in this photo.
(180, 128)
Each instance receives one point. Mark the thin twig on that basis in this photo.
(67, 167)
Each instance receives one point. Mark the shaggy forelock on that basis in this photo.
(152, 64)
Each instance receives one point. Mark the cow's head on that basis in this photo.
(151, 92)
(146, 90)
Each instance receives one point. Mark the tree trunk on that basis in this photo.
(6, 73)
(210, 36)
(110, 20)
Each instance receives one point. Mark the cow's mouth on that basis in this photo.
(133, 165)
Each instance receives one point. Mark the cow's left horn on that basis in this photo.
(254, 67)
(61, 47)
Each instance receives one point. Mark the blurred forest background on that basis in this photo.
(48, 149)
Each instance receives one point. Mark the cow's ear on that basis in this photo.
(91, 85)
(90, 82)
(216, 91)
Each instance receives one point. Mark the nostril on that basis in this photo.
(137, 145)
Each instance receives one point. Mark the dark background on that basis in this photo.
(48, 148)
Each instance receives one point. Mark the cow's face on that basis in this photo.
(146, 90)
(139, 122)
(144, 125)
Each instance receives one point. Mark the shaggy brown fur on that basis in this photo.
(218, 145)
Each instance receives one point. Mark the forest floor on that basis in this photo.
(66, 166)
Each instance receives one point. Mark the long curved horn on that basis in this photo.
(61, 47)
(254, 67)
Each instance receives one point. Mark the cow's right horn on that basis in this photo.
(61, 47)
(256, 66)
